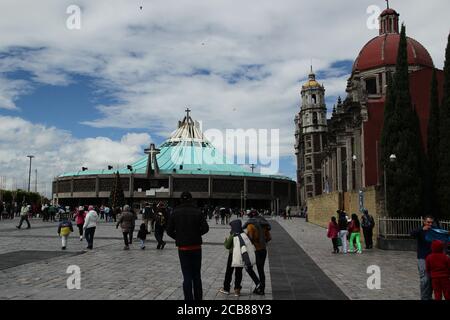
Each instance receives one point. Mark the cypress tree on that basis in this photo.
(117, 197)
(443, 182)
(433, 149)
(387, 136)
(401, 136)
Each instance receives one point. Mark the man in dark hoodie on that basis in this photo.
(187, 225)
(423, 250)
(258, 230)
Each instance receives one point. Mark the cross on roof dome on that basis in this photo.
(151, 150)
(188, 130)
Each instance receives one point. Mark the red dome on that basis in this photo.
(382, 51)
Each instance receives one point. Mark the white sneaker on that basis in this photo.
(222, 290)
(359, 251)
(81, 238)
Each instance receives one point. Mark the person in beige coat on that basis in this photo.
(126, 222)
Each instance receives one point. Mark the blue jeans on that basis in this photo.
(22, 219)
(191, 264)
(89, 234)
(425, 281)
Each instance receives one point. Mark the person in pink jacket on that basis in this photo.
(333, 232)
(80, 215)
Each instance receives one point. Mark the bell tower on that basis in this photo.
(311, 128)
(389, 21)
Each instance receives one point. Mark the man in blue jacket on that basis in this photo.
(423, 250)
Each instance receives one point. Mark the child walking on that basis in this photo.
(354, 229)
(64, 229)
(142, 235)
(333, 233)
(438, 269)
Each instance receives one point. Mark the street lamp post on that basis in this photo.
(29, 172)
(392, 158)
(242, 200)
(130, 187)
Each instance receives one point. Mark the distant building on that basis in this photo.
(186, 161)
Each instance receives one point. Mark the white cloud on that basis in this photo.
(236, 64)
(57, 151)
(10, 90)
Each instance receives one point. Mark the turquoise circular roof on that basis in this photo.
(186, 152)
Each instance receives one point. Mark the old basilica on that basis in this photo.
(343, 153)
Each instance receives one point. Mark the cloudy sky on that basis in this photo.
(99, 94)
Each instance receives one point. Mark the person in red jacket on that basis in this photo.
(438, 268)
(333, 231)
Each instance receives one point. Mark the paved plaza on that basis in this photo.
(300, 265)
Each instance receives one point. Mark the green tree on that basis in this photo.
(117, 197)
(389, 127)
(401, 137)
(443, 183)
(7, 196)
(433, 149)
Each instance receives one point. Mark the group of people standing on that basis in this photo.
(346, 232)
(188, 224)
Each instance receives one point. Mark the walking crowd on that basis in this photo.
(246, 243)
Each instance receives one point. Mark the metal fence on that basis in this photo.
(401, 227)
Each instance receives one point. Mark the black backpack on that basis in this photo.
(147, 213)
(367, 221)
(160, 219)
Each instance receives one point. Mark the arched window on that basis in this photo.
(314, 99)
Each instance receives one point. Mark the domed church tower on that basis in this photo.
(354, 131)
(311, 125)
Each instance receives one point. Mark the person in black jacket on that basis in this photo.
(142, 235)
(343, 232)
(423, 250)
(186, 226)
(161, 218)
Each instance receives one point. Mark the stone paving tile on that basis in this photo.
(399, 276)
(108, 272)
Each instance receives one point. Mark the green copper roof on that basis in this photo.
(187, 151)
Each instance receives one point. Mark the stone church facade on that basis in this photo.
(343, 153)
